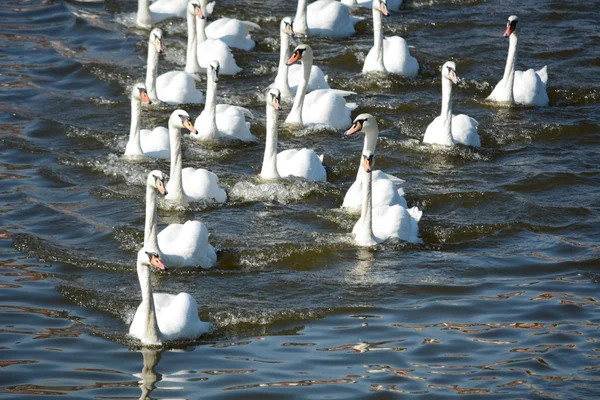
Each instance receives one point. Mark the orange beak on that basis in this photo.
(508, 31)
(356, 127)
(383, 8)
(367, 164)
(145, 98)
(276, 104)
(199, 12)
(295, 57)
(188, 124)
(154, 260)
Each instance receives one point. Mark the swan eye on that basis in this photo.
(184, 118)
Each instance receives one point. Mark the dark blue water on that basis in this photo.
(499, 301)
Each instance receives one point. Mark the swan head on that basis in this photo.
(449, 72)
(156, 180)
(368, 160)
(156, 36)
(363, 123)
(512, 26)
(139, 92)
(147, 258)
(195, 8)
(300, 52)
(273, 99)
(180, 119)
(381, 6)
(212, 72)
(286, 26)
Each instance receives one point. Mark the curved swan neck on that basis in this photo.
(151, 225)
(151, 72)
(269, 166)
(191, 58)
(200, 30)
(300, 24)
(509, 70)
(152, 333)
(281, 80)
(446, 113)
(378, 37)
(143, 14)
(176, 189)
(133, 145)
(211, 106)
(295, 115)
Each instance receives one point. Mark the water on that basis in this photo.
(500, 300)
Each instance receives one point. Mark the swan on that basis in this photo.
(234, 32)
(324, 18)
(393, 5)
(390, 54)
(323, 106)
(448, 129)
(518, 87)
(173, 87)
(288, 78)
(385, 187)
(144, 142)
(302, 163)
(161, 316)
(200, 49)
(189, 184)
(177, 245)
(150, 14)
(222, 120)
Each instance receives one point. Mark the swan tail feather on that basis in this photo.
(343, 93)
(543, 74)
(209, 8)
(351, 106)
(251, 25)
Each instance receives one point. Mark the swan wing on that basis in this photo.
(180, 319)
(464, 130)
(200, 184)
(187, 245)
(155, 143)
(397, 58)
(330, 18)
(529, 89)
(178, 87)
(169, 8)
(231, 123)
(214, 49)
(304, 163)
(322, 107)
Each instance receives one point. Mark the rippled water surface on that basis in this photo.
(500, 300)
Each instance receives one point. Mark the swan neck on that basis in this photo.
(509, 70)
(300, 23)
(281, 80)
(176, 188)
(143, 13)
(269, 166)
(366, 213)
(151, 72)
(378, 38)
(295, 115)
(191, 59)
(200, 30)
(210, 106)
(446, 113)
(151, 335)
(151, 226)
(133, 145)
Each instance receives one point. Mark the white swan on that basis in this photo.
(221, 121)
(324, 18)
(385, 187)
(173, 87)
(144, 142)
(189, 184)
(234, 32)
(390, 54)
(323, 106)
(160, 316)
(302, 163)
(288, 78)
(393, 5)
(178, 245)
(150, 14)
(518, 87)
(448, 129)
(200, 49)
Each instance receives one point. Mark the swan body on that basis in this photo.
(200, 49)
(448, 129)
(221, 121)
(163, 317)
(303, 163)
(319, 107)
(289, 77)
(189, 184)
(519, 87)
(150, 14)
(393, 5)
(324, 18)
(385, 188)
(178, 245)
(144, 142)
(388, 55)
(235, 33)
(173, 87)
(379, 223)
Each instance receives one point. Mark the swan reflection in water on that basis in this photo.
(148, 375)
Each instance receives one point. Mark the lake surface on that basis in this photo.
(500, 300)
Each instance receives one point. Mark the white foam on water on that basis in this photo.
(283, 191)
